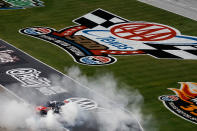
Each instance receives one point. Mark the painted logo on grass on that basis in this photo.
(184, 103)
(100, 35)
(143, 32)
(19, 4)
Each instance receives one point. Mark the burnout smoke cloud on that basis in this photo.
(111, 114)
(122, 104)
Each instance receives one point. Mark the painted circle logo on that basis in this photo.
(37, 31)
(143, 32)
(169, 98)
(96, 60)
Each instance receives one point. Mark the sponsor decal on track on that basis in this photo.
(84, 103)
(184, 103)
(19, 4)
(9, 57)
(30, 78)
(100, 35)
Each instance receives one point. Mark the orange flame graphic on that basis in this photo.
(185, 93)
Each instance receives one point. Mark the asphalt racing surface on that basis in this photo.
(186, 8)
(33, 82)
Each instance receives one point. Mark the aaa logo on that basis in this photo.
(184, 103)
(19, 4)
(100, 35)
(143, 32)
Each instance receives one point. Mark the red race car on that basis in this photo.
(84, 103)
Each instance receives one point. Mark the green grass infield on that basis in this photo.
(150, 76)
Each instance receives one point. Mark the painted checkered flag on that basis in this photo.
(172, 51)
(99, 17)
